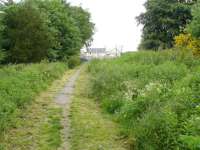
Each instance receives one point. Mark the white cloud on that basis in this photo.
(115, 22)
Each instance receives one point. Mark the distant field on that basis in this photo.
(155, 96)
(20, 84)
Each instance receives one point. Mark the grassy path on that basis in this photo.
(39, 125)
(47, 123)
(90, 128)
(63, 99)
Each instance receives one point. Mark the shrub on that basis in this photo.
(187, 43)
(74, 61)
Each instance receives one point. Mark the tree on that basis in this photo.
(70, 25)
(82, 20)
(194, 27)
(36, 29)
(26, 37)
(162, 21)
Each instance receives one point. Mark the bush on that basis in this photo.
(74, 61)
(186, 43)
(155, 96)
(20, 84)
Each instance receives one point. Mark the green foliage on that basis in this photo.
(33, 30)
(194, 25)
(52, 128)
(189, 41)
(26, 34)
(90, 128)
(20, 84)
(82, 19)
(74, 61)
(70, 25)
(154, 95)
(163, 20)
(67, 38)
(191, 142)
(2, 56)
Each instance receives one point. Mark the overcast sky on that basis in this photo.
(115, 22)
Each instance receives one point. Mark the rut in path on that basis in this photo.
(63, 100)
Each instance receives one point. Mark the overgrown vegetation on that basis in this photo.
(154, 96)
(20, 84)
(33, 30)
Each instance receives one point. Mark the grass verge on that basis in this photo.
(38, 126)
(90, 128)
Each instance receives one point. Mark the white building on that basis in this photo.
(99, 53)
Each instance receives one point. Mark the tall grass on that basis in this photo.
(154, 95)
(19, 84)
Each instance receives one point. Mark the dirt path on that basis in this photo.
(63, 100)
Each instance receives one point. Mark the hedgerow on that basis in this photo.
(153, 95)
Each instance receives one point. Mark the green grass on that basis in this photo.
(153, 95)
(90, 128)
(38, 126)
(51, 130)
(20, 84)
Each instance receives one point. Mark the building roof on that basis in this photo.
(97, 50)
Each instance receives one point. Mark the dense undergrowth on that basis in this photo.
(155, 96)
(20, 84)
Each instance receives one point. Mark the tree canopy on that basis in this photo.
(194, 27)
(50, 29)
(26, 36)
(162, 21)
